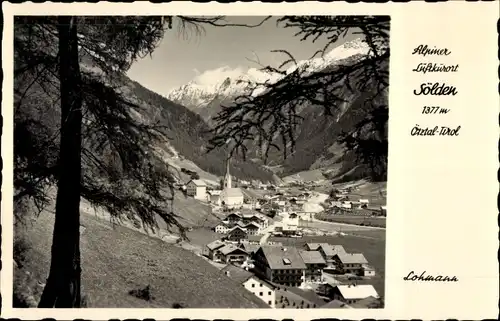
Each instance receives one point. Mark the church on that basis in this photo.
(231, 196)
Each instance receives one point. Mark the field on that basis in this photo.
(373, 249)
(118, 260)
(353, 219)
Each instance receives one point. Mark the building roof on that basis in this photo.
(255, 238)
(312, 257)
(335, 304)
(360, 291)
(252, 223)
(352, 258)
(331, 250)
(236, 273)
(223, 223)
(215, 245)
(232, 192)
(283, 257)
(229, 248)
(198, 182)
(367, 303)
(214, 192)
(249, 248)
(297, 296)
(313, 246)
(237, 227)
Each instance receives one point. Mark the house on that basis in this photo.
(364, 201)
(231, 253)
(313, 246)
(354, 293)
(383, 210)
(260, 288)
(197, 189)
(252, 228)
(222, 228)
(233, 218)
(328, 251)
(212, 250)
(236, 234)
(280, 264)
(349, 263)
(346, 204)
(315, 264)
(368, 270)
(214, 197)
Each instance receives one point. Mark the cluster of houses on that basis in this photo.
(276, 273)
(239, 225)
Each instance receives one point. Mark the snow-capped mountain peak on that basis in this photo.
(225, 82)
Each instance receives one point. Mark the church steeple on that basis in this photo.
(227, 179)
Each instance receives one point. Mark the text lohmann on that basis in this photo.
(437, 130)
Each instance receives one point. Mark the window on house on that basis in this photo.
(269, 293)
(261, 285)
(260, 293)
(269, 302)
(253, 285)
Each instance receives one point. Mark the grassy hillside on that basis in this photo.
(118, 260)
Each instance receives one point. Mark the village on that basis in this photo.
(263, 245)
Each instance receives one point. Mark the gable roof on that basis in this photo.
(313, 246)
(252, 224)
(366, 303)
(312, 257)
(215, 245)
(249, 248)
(236, 273)
(360, 291)
(335, 304)
(230, 248)
(275, 255)
(297, 296)
(198, 182)
(237, 227)
(332, 250)
(232, 192)
(352, 258)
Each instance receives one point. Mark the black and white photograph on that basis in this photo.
(194, 161)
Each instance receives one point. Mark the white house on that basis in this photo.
(368, 270)
(347, 205)
(260, 288)
(353, 293)
(222, 228)
(197, 189)
(364, 201)
(214, 197)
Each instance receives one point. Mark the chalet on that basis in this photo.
(260, 288)
(349, 263)
(222, 228)
(280, 264)
(252, 228)
(236, 234)
(197, 189)
(315, 264)
(354, 293)
(328, 251)
(233, 218)
(231, 253)
(346, 204)
(212, 250)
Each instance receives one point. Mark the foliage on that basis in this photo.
(273, 117)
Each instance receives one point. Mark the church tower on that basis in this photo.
(227, 179)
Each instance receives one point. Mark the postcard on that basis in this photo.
(250, 161)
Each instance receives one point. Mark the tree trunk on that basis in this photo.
(62, 289)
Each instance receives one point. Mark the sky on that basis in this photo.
(179, 59)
